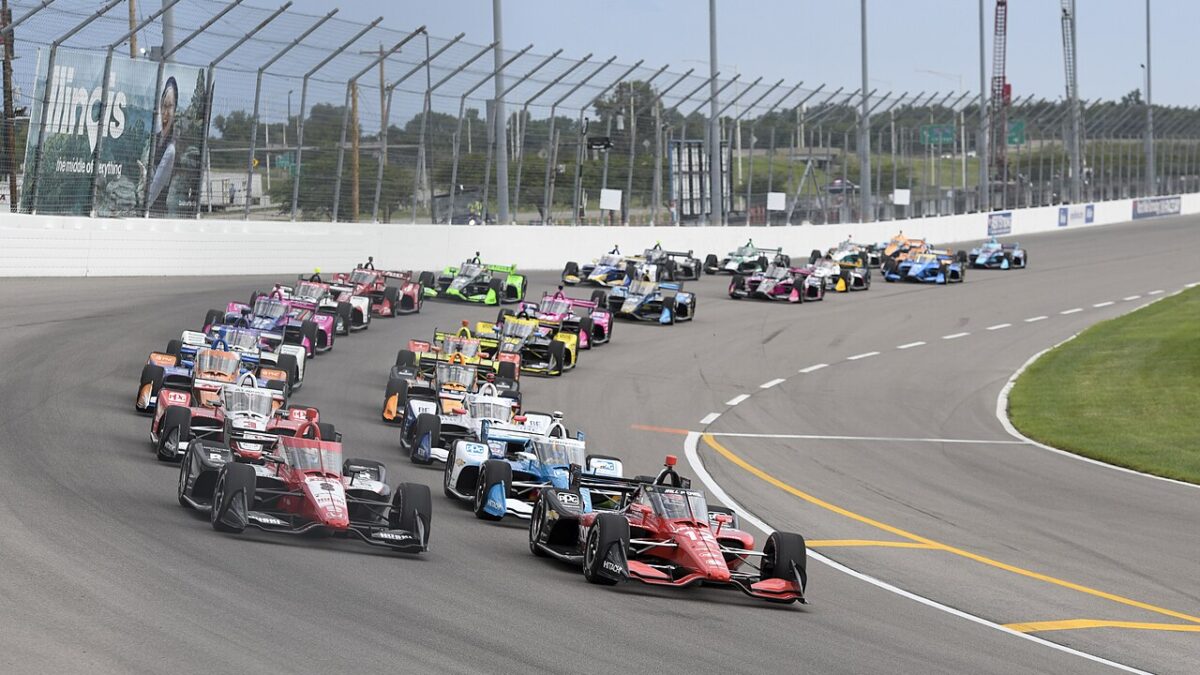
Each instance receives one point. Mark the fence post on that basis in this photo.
(548, 197)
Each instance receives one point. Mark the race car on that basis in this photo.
(583, 318)
(305, 487)
(607, 270)
(174, 367)
(388, 292)
(932, 267)
(432, 379)
(279, 322)
(502, 471)
(854, 266)
(744, 260)
(900, 247)
(994, 255)
(680, 265)
(779, 282)
(645, 299)
(433, 424)
(664, 533)
(474, 281)
(538, 348)
(322, 298)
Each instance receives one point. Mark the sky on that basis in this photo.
(914, 45)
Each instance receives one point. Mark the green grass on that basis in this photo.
(1126, 391)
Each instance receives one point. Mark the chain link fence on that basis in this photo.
(276, 114)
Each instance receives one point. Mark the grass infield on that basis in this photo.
(1125, 391)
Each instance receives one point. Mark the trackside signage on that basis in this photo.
(1153, 207)
(1083, 214)
(999, 224)
(129, 181)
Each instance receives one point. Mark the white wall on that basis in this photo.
(70, 246)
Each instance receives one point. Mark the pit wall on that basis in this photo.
(75, 246)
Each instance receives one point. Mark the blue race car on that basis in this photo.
(994, 255)
(932, 267)
(610, 269)
(645, 298)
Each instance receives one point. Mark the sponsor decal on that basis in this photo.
(164, 360)
(568, 499)
(1076, 215)
(613, 567)
(999, 224)
(1153, 207)
(298, 414)
(175, 397)
(393, 536)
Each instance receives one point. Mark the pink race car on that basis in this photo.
(584, 318)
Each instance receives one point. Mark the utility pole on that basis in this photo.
(133, 53)
(981, 143)
(500, 117)
(864, 125)
(1151, 179)
(9, 165)
(716, 210)
(168, 34)
(382, 110)
(354, 136)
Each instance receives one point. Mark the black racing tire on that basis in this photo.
(406, 358)
(214, 317)
(504, 311)
(345, 314)
(309, 329)
(497, 284)
(397, 387)
(588, 327)
(427, 423)
(711, 263)
(327, 430)
(600, 297)
(558, 358)
(814, 256)
(507, 369)
(493, 472)
(175, 347)
(1008, 257)
(738, 283)
(185, 470)
(780, 552)
(175, 428)
(427, 279)
(572, 269)
(412, 510)
(152, 374)
(447, 473)
(537, 523)
(392, 295)
(290, 365)
(961, 256)
(609, 529)
(233, 497)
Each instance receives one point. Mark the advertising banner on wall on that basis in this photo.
(999, 224)
(1152, 207)
(1082, 214)
(129, 181)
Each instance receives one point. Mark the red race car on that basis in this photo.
(405, 297)
(304, 487)
(660, 531)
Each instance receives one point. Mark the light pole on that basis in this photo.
(981, 142)
(1151, 179)
(714, 123)
(864, 123)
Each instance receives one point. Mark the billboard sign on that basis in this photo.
(129, 182)
(1153, 207)
(1083, 214)
(999, 224)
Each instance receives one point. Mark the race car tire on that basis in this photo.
(175, 428)
(961, 256)
(447, 474)
(780, 552)
(711, 263)
(368, 464)
(493, 472)
(671, 316)
(152, 375)
(507, 369)
(288, 364)
(761, 263)
(308, 329)
(427, 423)
(600, 297)
(537, 523)
(233, 497)
(588, 327)
(814, 256)
(392, 295)
(412, 510)
(175, 347)
(672, 270)
(406, 358)
(1008, 257)
(738, 283)
(327, 430)
(608, 530)
(558, 358)
(278, 385)
(427, 279)
(785, 260)
(570, 269)
(345, 314)
(497, 285)
(504, 311)
(397, 387)
(213, 317)
(185, 470)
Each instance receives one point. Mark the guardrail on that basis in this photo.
(79, 246)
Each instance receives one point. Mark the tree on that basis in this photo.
(1132, 98)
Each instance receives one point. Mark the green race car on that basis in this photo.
(475, 281)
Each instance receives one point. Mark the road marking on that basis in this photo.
(1076, 624)
(1158, 292)
(1036, 318)
(1102, 304)
(861, 356)
(1132, 297)
(910, 345)
(891, 439)
(999, 326)
(737, 399)
(816, 501)
(772, 383)
(1193, 284)
(1072, 311)
(954, 336)
(827, 543)
(813, 369)
(661, 430)
(693, 458)
(709, 418)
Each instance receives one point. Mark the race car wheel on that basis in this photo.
(175, 428)
(345, 318)
(782, 550)
(738, 283)
(493, 472)
(232, 498)
(152, 376)
(814, 256)
(327, 430)
(504, 311)
(600, 297)
(427, 423)
(185, 474)
(406, 358)
(412, 510)
(497, 285)
(288, 364)
(507, 369)
(308, 329)
(711, 263)
(961, 256)
(214, 317)
(588, 327)
(391, 295)
(175, 347)
(447, 474)
(558, 358)
(537, 523)
(761, 263)
(398, 388)
(608, 530)
(571, 269)
(279, 386)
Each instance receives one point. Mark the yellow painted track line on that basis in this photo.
(1075, 624)
(826, 543)
(816, 501)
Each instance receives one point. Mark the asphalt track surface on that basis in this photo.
(101, 570)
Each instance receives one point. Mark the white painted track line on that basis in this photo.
(1036, 318)
(1071, 311)
(1098, 305)
(910, 345)
(813, 368)
(772, 383)
(709, 418)
(861, 356)
(999, 326)
(954, 336)
(737, 399)
(1158, 292)
(1132, 297)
